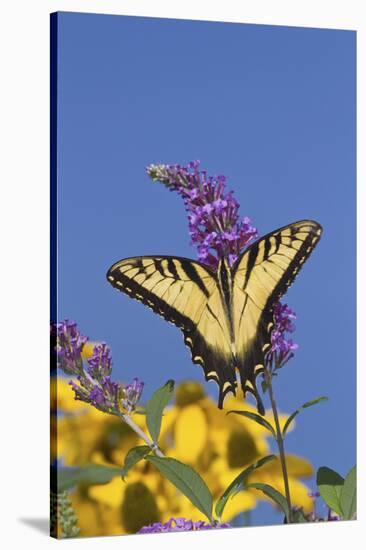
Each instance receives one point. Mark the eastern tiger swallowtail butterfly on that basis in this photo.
(226, 316)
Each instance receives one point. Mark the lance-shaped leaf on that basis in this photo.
(187, 480)
(237, 484)
(155, 407)
(348, 495)
(330, 486)
(273, 494)
(133, 456)
(304, 406)
(257, 418)
(92, 474)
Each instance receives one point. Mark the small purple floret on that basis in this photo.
(181, 524)
(97, 396)
(132, 394)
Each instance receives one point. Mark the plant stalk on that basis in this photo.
(153, 446)
(280, 442)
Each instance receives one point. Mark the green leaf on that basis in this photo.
(187, 480)
(237, 484)
(330, 487)
(273, 494)
(92, 474)
(264, 386)
(298, 516)
(155, 407)
(257, 418)
(304, 406)
(348, 495)
(133, 456)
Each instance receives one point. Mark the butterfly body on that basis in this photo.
(226, 315)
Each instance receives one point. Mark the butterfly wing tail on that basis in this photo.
(215, 363)
(260, 406)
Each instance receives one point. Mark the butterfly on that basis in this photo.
(226, 315)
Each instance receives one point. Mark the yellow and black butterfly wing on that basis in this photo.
(260, 277)
(185, 293)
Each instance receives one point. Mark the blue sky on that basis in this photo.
(272, 108)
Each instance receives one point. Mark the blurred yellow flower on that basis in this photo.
(218, 446)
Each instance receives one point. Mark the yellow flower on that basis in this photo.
(84, 433)
(141, 500)
(218, 446)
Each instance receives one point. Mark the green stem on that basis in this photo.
(280, 442)
(128, 420)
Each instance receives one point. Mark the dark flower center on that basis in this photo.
(188, 393)
(241, 449)
(138, 508)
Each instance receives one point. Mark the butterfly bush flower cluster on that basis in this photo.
(214, 224)
(217, 231)
(94, 385)
(181, 524)
(282, 349)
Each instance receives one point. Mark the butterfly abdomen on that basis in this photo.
(225, 283)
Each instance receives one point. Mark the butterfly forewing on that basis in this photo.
(261, 276)
(185, 293)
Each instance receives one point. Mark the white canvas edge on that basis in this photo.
(24, 219)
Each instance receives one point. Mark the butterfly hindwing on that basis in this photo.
(185, 293)
(261, 276)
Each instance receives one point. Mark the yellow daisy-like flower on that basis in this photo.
(218, 446)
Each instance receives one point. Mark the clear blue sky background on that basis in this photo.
(273, 108)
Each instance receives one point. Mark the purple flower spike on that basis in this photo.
(281, 349)
(94, 382)
(213, 219)
(181, 524)
(69, 346)
(132, 394)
